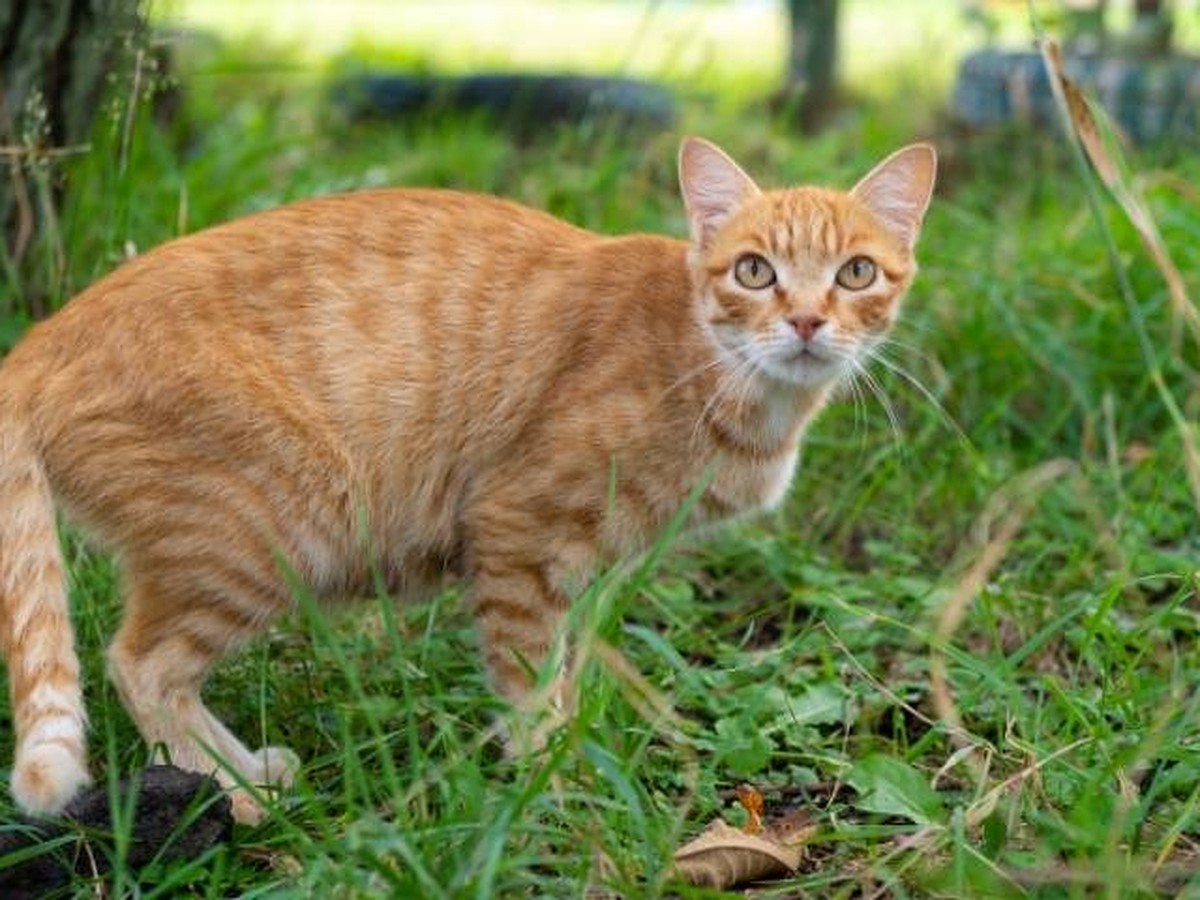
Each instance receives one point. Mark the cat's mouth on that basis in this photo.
(804, 365)
(807, 355)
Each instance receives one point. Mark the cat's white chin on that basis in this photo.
(806, 369)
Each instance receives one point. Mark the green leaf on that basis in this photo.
(893, 787)
(741, 747)
(822, 704)
(995, 834)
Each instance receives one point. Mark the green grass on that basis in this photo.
(794, 653)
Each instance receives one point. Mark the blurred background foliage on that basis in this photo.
(800, 649)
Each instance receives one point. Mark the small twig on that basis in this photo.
(982, 808)
(25, 220)
(35, 151)
(886, 691)
(1011, 504)
(930, 836)
(24, 213)
(131, 110)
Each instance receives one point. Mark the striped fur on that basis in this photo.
(432, 383)
(36, 637)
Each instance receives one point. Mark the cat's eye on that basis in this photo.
(754, 272)
(857, 274)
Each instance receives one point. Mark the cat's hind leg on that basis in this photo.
(176, 628)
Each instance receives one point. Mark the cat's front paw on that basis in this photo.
(276, 770)
(277, 766)
(246, 809)
(528, 727)
(525, 734)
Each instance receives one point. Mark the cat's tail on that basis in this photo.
(35, 632)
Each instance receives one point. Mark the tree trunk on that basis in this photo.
(56, 57)
(812, 63)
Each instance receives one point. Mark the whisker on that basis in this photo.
(748, 385)
(692, 373)
(717, 360)
(898, 370)
(877, 389)
(923, 328)
(730, 380)
(932, 361)
(858, 404)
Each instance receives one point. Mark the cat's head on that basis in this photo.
(800, 285)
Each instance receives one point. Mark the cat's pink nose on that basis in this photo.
(806, 326)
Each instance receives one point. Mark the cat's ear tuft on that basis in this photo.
(713, 187)
(899, 188)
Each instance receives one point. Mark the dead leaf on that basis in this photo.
(724, 856)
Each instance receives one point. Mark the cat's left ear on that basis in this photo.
(899, 188)
(713, 187)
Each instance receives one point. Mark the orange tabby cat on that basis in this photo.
(419, 381)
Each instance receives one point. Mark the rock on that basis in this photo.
(178, 814)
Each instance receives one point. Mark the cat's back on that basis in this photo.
(406, 222)
(338, 237)
(283, 274)
(444, 228)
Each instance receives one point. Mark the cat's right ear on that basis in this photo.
(898, 190)
(713, 187)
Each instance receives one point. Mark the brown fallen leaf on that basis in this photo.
(723, 856)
